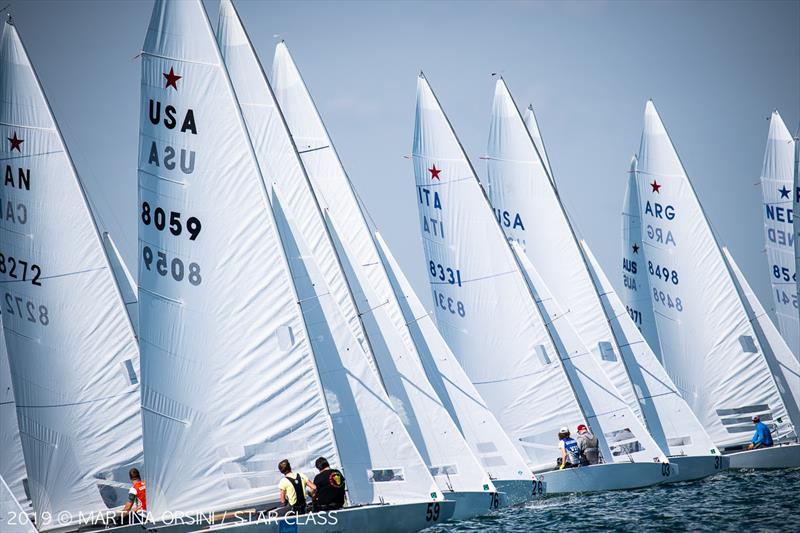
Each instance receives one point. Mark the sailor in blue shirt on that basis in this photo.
(762, 437)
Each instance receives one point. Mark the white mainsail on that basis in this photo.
(125, 281)
(476, 422)
(72, 351)
(707, 343)
(536, 135)
(232, 388)
(528, 207)
(776, 188)
(637, 294)
(433, 430)
(669, 418)
(12, 462)
(783, 363)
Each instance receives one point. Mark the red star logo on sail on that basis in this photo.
(172, 79)
(16, 142)
(656, 187)
(435, 173)
(635, 248)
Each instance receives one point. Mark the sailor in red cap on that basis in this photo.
(587, 444)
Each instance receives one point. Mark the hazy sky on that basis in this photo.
(715, 70)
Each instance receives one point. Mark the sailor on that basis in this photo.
(292, 489)
(587, 444)
(762, 437)
(137, 495)
(570, 454)
(330, 487)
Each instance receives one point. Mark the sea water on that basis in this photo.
(739, 501)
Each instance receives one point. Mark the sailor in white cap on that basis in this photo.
(570, 453)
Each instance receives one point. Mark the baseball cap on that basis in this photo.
(564, 430)
(581, 427)
(755, 418)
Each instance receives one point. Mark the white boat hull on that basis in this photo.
(783, 456)
(520, 491)
(614, 476)
(394, 518)
(472, 504)
(691, 467)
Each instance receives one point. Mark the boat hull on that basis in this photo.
(691, 467)
(394, 518)
(472, 504)
(779, 456)
(614, 476)
(521, 490)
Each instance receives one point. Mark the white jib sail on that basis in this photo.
(13, 517)
(708, 346)
(783, 363)
(277, 157)
(12, 462)
(229, 384)
(125, 281)
(777, 177)
(527, 206)
(669, 418)
(536, 135)
(378, 457)
(637, 294)
(427, 420)
(497, 335)
(622, 437)
(72, 351)
(475, 421)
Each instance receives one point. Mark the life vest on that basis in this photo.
(141, 494)
(573, 452)
(299, 506)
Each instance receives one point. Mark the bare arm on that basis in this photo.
(312, 488)
(283, 496)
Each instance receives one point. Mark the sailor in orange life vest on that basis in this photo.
(138, 493)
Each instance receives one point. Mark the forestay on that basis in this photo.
(621, 436)
(497, 336)
(72, 351)
(669, 418)
(707, 343)
(637, 294)
(776, 188)
(475, 421)
(229, 381)
(428, 422)
(528, 207)
(12, 463)
(782, 362)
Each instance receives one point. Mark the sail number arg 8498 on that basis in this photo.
(158, 217)
(455, 307)
(665, 299)
(175, 267)
(663, 273)
(446, 274)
